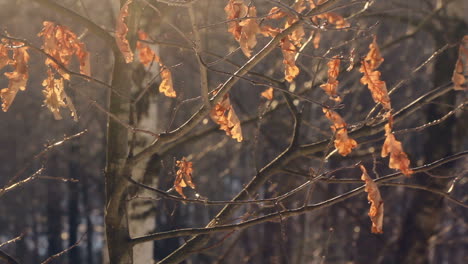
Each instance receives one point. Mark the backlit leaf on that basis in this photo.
(56, 97)
(461, 66)
(223, 114)
(166, 86)
(398, 158)
(343, 143)
(183, 176)
(145, 53)
(268, 93)
(18, 78)
(376, 211)
(331, 86)
(121, 31)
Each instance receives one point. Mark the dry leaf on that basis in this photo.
(61, 43)
(398, 158)
(268, 93)
(4, 58)
(461, 66)
(343, 143)
(289, 60)
(223, 114)
(376, 211)
(331, 86)
(166, 86)
(121, 33)
(244, 31)
(17, 78)
(371, 77)
(145, 53)
(183, 176)
(55, 96)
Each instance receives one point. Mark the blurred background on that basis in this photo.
(419, 226)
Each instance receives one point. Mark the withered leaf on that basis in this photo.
(145, 53)
(331, 86)
(4, 59)
(183, 176)
(377, 87)
(56, 97)
(223, 114)
(166, 87)
(343, 143)
(289, 60)
(121, 31)
(376, 211)
(268, 93)
(18, 78)
(398, 158)
(61, 43)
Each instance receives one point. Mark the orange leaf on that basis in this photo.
(289, 60)
(332, 84)
(183, 176)
(61, 43)
(244, 31)
(4, 58)
(121, 33)
(461, 66)
(398, 158)
(166, 85)
(55, 96)
(377, 87)
(376, 211)
(343, 143)
(268, 93)
(146, 54)
(18, 78)
(373, 57)
(223, 114)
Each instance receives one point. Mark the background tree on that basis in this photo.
(277, 156)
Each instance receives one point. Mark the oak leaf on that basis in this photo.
(145, 53)
(376, 211)
(398, 158)
(4, 58)
(376, 86)
(166, 87)
(343, 143)
(18, 78)
(331, 86)
(61, 43)
(56, 97)
(121, 31)
(223, 114)
(183, 176)
(289, 59)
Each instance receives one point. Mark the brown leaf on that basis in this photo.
(373, 57)
(61, 43)
(343, 143)
(377, 87)
(18, 78)
(183, 176)
(268, 93)
(289, 60)
(4, 58)
(250, 29)
(376, 211)
(461, 66)
(145, 53)
(398, 158)
(223, 114)
(166, 86)
(55, 96)
(121, 33)
(331, 86)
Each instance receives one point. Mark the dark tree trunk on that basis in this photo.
(54, 214)
(74, 255)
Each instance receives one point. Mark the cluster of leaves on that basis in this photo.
(343, 143)
(183, 176)
(18, 78)
(223, 114)
(146, 55)
(244, 26)
(60, 44)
